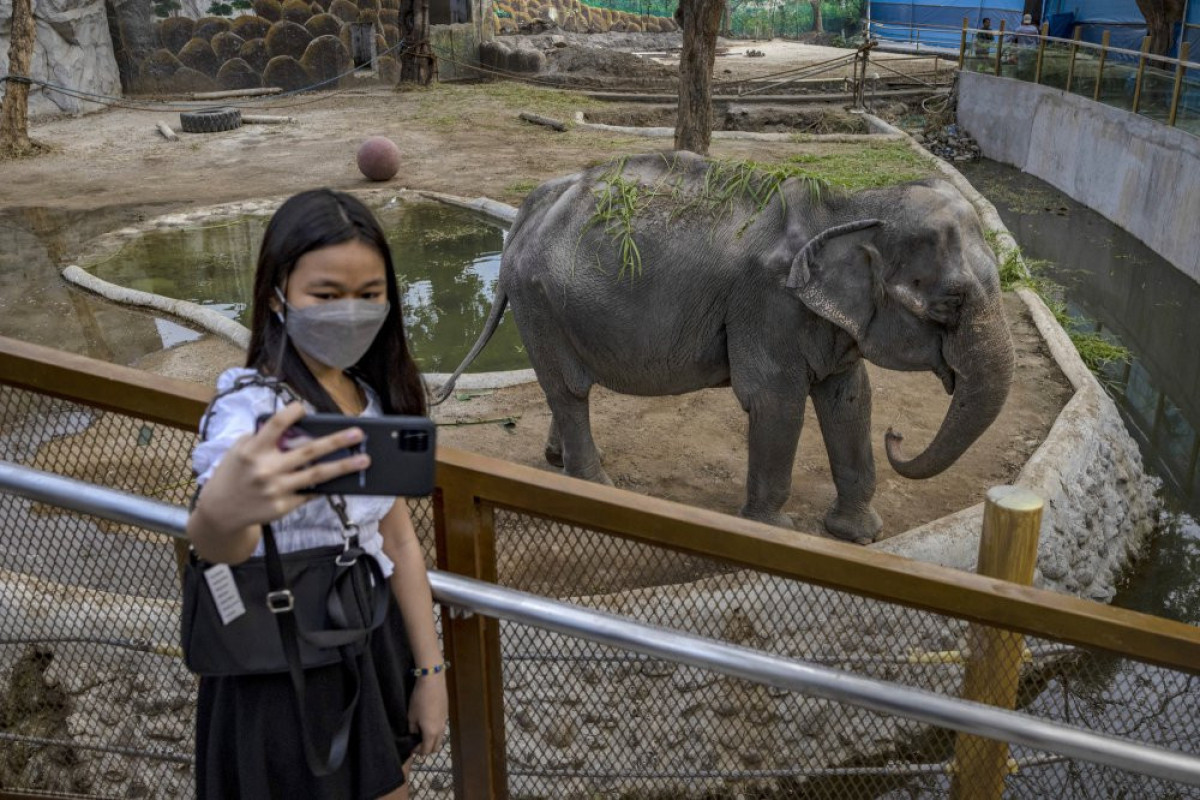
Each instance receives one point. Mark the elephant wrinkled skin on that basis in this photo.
(775, 289)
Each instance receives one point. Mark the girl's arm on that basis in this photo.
(256, 482)
(429, 705)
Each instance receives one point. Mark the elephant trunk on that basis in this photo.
(980, 352)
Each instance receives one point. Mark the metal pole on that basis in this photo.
(1008, 550)
(1141, 74)
(1104, 40)
(1180, 71)
(1183, 26)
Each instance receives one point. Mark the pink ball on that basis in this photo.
(379, 158)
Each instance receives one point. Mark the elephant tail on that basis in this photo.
(489, 328)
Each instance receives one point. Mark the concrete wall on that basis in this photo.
(1138, 173)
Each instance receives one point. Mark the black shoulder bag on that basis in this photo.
(288, 613)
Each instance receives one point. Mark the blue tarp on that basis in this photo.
(1121, 18)
(905, 21)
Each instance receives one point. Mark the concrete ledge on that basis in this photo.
(660, 132)
(1138, 173)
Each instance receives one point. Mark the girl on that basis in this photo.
(326, 328)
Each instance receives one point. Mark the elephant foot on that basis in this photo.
(776, 518)
(554, 456)
(860, 526)
(595, 475)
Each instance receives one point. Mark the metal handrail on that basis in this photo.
(675, 646)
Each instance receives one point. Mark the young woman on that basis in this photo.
(327, 329)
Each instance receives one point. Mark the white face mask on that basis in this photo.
(337, 333)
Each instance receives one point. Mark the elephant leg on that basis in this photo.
(775, 421)
(843, 405)
(572, 418)
(554, 453)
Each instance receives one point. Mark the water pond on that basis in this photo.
(447, 261)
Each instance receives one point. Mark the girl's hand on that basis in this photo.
(256, 482)
(428, 709)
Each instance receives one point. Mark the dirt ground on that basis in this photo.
(468, 140)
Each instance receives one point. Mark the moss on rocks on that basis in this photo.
(237, 74)
(324, 25)
(250, 27)
(325, 59)
(175, 32)
(254, 52)
(288, 39)
(187, 80)
(344, 10)
(286, 73)
(208, 27)
(227, 45)
(297, 11)
(270, 10)
(198, 55)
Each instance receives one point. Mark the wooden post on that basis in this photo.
(1012, 518)
(999, 46)
(1037, 74)
(1180, 71)
(466, 545)
(1141, 74)
(962, 47)
(1074, 52)
(1104, 40)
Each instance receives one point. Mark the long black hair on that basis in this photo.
(306, 222)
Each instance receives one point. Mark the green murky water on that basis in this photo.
(447, 261)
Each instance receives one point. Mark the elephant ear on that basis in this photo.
(833, 275)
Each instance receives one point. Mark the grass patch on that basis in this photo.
(1093, 347)
(873, 165)
(521, 188)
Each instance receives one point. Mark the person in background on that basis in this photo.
(1026, 40)
(984, 39)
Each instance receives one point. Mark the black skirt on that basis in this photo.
(248, 742)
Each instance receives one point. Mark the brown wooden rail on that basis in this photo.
(471, 486)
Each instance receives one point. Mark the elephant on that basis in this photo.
(668, 273)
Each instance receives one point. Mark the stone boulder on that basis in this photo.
(187, 80)
(323, 25)
(325, 59)
(254, 52)
(227, 45)
(208, 27)
(175, 32)
(73, 48)
(237, 74)
(270, 10)
(344, 10)
(296, 11)
(251, 27)
(288, 39)
(286, 73)
(198, 55)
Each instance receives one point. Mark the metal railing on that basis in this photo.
(99, 704)
(474, 596)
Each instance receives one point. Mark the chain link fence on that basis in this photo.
(94, 697)
(95, 701)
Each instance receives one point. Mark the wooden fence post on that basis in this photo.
(466, 545)
(1012, 518)
(999, 46)
(1037, 74)
(962, 47)
(1141, 74)
(1104, 40)
(1074, 52)
(1180, 70)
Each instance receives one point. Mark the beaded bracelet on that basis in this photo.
(421, 672)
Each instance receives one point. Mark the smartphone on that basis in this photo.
(401, 448)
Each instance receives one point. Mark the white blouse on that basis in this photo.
(314, 524)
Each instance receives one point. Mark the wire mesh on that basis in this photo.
(95, 700)
(583, 720)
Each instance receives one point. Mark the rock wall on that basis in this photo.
(73, 49)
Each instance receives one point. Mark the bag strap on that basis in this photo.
(280, 601)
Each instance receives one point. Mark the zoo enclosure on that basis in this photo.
(519, 694)
(1159, 87)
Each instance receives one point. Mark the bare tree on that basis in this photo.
(417, 62)
(1161, 16)
(818, 23)
(700, 21)
(14, 111)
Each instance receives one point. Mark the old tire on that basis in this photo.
(213, 120)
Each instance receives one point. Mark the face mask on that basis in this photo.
(337, 333)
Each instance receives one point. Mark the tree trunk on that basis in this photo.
(700, 20)
(1161, 16)
(14, 110)
(818, 23)
(417, 62)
